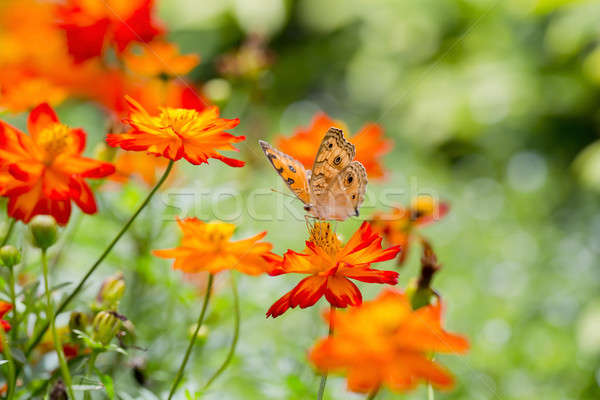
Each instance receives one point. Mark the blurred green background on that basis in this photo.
(492, 105)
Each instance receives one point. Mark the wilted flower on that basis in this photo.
(398, 226)
(176, 132)
(42, 173)
(385, 342)
(331, 265)
(208, 247)
(369, 142)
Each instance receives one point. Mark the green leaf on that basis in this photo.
(2, 362)
(108, 384)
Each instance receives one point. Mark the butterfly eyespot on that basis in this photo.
(290, 181)
(350, 179)
(330, 145)
(337, 160)
(291, 167)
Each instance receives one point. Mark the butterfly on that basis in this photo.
(335, 187)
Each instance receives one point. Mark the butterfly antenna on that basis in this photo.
(285, 194)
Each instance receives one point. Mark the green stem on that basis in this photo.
(11, 226)
(90, 368)
(430, 393)
(324, 377)
(179, 375)
(236, 333)
(373, 394)
(13, 299)
(11, 381)
(50, 314)
(36, 339)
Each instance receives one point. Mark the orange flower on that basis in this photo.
(176, 132)
(385, 342)
(331, 266)
(398, 225)
(42, 173)
(160, 58)
(90, 25)
(207, 247)
(133, 164)
(4, 308)
(369, 142)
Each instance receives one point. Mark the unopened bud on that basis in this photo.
(44, 231)
(111, 292)
(77, 321)
(10, 255)
(106, 325)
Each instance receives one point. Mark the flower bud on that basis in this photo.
(44, 231)
(10, 255)
(106, 325)
(111, 292)
(77, 321)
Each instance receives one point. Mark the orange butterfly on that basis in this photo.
(335, 188)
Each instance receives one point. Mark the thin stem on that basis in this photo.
(90, 367)
(11, 381)
(11, 226)
(13, 299)
(430, 392)
(34, 342)
(324, 377)
(236, 333)
(50, 314)
(373, 394)
(179, 375)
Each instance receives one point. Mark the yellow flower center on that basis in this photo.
(218, 233)
(322, 235)
(54, 140)
(178, 119)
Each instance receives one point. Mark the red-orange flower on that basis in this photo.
(398, 226)
(91, 25)
(385, 342)
(177, 133)
(4, 308)
(207, 246)
(42, 173)
(369, 142)
(160, 58)
(331, 266)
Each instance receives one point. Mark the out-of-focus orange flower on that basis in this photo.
(91, 25)
(43, 172)
(207, 246)
(385, 342)
(26, 92)
(369, 142)
(46, 345)
(331, 265)
(177, 133)
(4, 308)
(398, 225)
(147, 167)
(160, 58)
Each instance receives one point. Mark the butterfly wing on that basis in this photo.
(334, 154)
(346, 193)
(290, 170)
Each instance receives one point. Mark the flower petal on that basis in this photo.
(341, 292)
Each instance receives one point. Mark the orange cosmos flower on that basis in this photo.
(385, 342)
(176, 132)
(4, 308)
(398, 226)
(331, 266)
(91, 25)
(42, 173)
(146, 167)
(369, 142)
(208, 247)
(160, 58)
